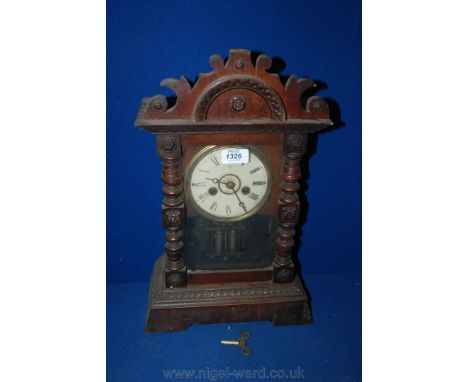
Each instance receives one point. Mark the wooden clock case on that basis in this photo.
(238, 103)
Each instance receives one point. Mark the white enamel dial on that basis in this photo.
(227, 192)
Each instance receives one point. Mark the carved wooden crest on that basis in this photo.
(237, 96)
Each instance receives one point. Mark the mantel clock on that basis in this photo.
(230, 147)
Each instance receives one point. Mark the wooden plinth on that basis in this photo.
(176, 309)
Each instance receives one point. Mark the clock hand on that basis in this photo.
(241, 203)
(216, 180)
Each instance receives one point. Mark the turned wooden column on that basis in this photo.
(294, 147)
(173, 209)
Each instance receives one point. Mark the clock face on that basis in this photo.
(228, 191)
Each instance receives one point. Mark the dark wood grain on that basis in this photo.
(238, 275)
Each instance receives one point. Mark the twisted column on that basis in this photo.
(173, 209)
(294, 147)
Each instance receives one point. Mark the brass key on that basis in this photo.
(245, 350)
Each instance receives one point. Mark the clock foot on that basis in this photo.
(176, 309)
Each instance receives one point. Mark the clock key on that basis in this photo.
(244, 336)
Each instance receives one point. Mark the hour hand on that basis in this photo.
(215, 180)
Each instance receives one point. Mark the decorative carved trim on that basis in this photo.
(274, 290)
(173, 217)
(295, 143)
(284, 275)
(289, 213)
(168, 143)
(259, 87)
(239, 72)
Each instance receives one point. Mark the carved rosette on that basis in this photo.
(173, 218)
(172, 208)
(294, 147)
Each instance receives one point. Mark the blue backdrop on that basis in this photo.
(148, 41)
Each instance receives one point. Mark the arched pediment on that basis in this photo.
(241, 94)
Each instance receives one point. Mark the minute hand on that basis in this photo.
(241, 203)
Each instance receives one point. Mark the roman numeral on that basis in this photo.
(199, 184)
(255, 170)
(215, 161)
(204, 171)
(214, 206)
(253, 196)
(259, 183)
(228, 209)
(203, 197)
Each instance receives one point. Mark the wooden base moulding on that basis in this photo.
(176, 309)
